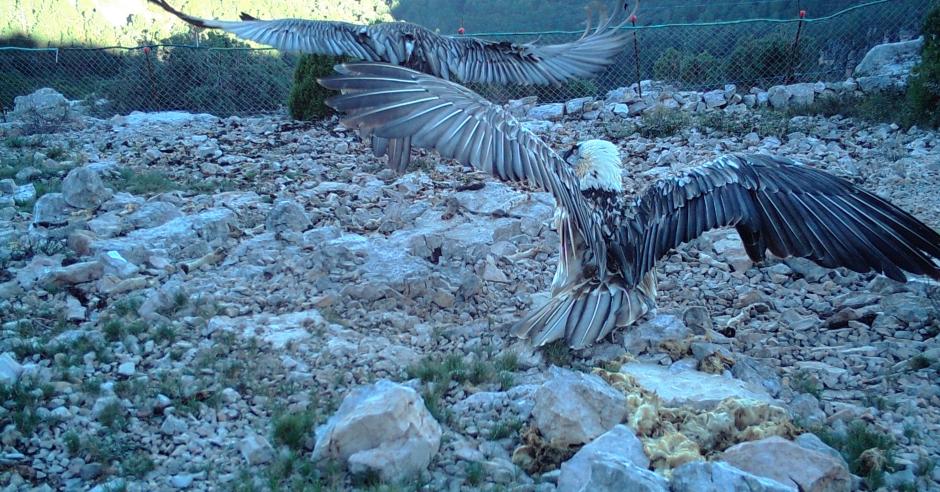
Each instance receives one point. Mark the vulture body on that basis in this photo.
(463, 59)
(610, 242)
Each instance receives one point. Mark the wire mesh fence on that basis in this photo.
(232, 79)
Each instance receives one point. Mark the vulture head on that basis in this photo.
(597, 165)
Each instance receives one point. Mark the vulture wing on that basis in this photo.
(784, 206)
(298, 35)
(470, 59)
(389, 101)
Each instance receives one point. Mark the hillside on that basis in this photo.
(110, 22)
(539, 15)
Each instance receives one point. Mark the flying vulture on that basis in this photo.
(610, 242)
(463, 58)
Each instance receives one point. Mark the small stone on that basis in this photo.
(182, 481)
(173, 425)
(287, 215)
(10, 370)
(714, 99)
(256, 450)
(574, 106)
(811, 441)
(611, 473)
(50, 210)
(77, 273)
(90, 471)
(660, 333)
(229, 395)
(805, 409)
(74, 311)
(492, 273)
(126, 369)
(24, 194)
(117, 265)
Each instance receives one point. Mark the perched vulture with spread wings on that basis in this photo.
(610, 242)
(464, 59)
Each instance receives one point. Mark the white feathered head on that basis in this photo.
(597, 165)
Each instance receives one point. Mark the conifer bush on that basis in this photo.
(307, 96)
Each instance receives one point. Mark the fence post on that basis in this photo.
(796, 48)
(636, 56)
(153, 82)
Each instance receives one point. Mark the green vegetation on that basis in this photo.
(869, 452)
(307, 96)
(293, 430)
(805, 382)
(662, 122)
(110, 448)
(687, 68)
(142, 182)
(557, 353)
(439, 373)
(923, 93)
(46, 178)
(216, 82)
(21, 401)
(505, 428)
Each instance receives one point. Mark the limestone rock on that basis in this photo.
(620, 442)
(656, 334)
(83, 188)
(701, 476)
(24, 194)
(287, 215)
(256, 450)
(691, 388)
(789, 463)
(888, 65)
(611, 473)
(801, 94)
(576, 106)
(574, 408)
(46, 103)
(10, 370)
(384, 428)
(51, 210)
(548, 112)
(778, 96)
(714, 99)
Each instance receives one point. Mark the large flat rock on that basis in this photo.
(691, 388)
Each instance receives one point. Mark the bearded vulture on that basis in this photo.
(464, 59)
(610, 243)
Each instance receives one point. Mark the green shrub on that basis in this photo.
(662, 123)
(923, 92)
(769, 60)
(307, 96)
(221, 82)
(688, 69)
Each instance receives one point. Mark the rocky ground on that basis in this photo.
(190, 296)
